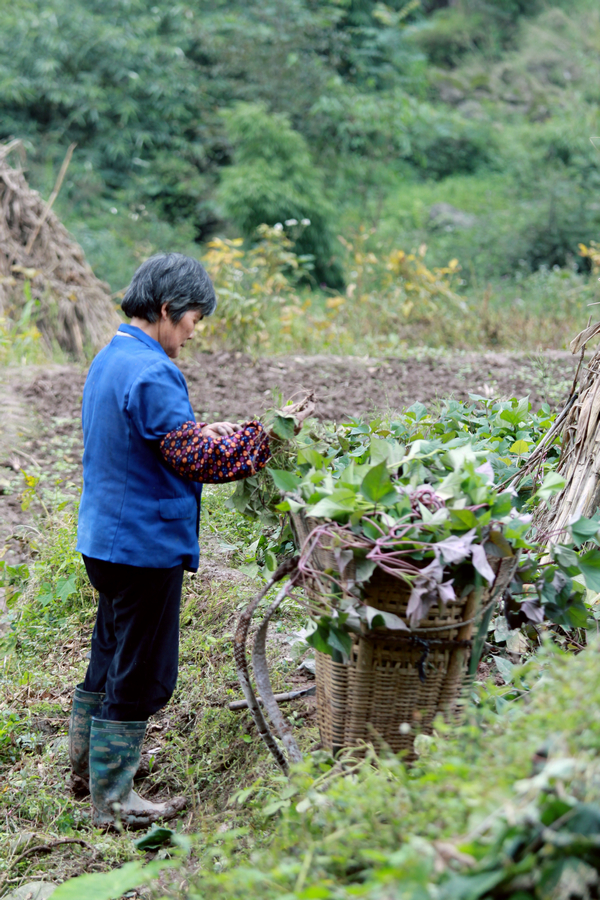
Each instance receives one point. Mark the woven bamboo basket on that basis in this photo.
(395, 683)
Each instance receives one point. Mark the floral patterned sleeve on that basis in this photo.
(216, 460)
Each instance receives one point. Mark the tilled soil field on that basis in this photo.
(233, 386)
(40, 431)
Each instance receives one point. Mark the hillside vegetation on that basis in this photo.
(464, 129)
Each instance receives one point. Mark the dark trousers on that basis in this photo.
(135, 643)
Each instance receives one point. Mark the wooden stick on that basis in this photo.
(261, 673)
(52, 198)
(281, 698)
(45, 848)
(239, 649)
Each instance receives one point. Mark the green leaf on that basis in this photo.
(566, 557)
(289, 506)
(370, 530)
(364, 569)
(577, 615)
(463, 519)
(515, 531)
(502, 506)
(271, 809)
(471, 887)
(419, 411)
(330, 507)
(241, 496)
(66, 587)
(319, 639)
(585, 529)
(310, 456)
(284, 481)
(156, 837)
(377, 484)
(510, 415)
(505, 668)
(284, 426)
(589, 564)
(520, 447)
(389, 452)
(585, 820)
(462, 454)
(379, 618)
(553, 484)
(107, 885)
(379, 450)
(340, 641)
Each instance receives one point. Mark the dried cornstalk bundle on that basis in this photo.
(579, 462)
(75, 308)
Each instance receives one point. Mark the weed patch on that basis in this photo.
(199, 746)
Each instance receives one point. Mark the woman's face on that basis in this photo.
(173, 335)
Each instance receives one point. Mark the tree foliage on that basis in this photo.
(273, 180)
(151, 93)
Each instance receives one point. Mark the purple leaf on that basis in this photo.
(446, 592)
(434, 571)
(420, 587)
(559, 581)
(533, 610)
(486, 470)
(481, 564)
(423, 596)
(342, 557)
(454, 549)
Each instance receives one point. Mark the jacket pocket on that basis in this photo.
(178, 508)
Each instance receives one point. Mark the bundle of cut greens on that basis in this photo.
(429, 501)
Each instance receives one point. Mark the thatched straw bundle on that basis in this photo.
(75, 308)
(579, 463)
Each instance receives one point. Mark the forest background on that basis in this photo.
(425, 143)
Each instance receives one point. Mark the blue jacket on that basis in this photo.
(134, 509)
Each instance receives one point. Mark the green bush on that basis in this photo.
(444, 144)
(551, 234)
(472, 25)
(394, 127)
(273, 179)
(448, 35)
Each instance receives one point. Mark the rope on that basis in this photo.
(414, 639)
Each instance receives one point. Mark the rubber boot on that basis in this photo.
(85, 705)
(115, 749)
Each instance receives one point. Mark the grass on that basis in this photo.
(203, 750)
(476, 795)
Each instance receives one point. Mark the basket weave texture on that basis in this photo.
(395, 684)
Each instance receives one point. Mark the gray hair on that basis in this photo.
(179, 281)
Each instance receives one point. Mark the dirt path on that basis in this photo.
(40, 408)
(40, 436)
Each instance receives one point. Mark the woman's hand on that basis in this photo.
(220, 429)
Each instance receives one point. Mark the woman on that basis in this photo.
(144, 461)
